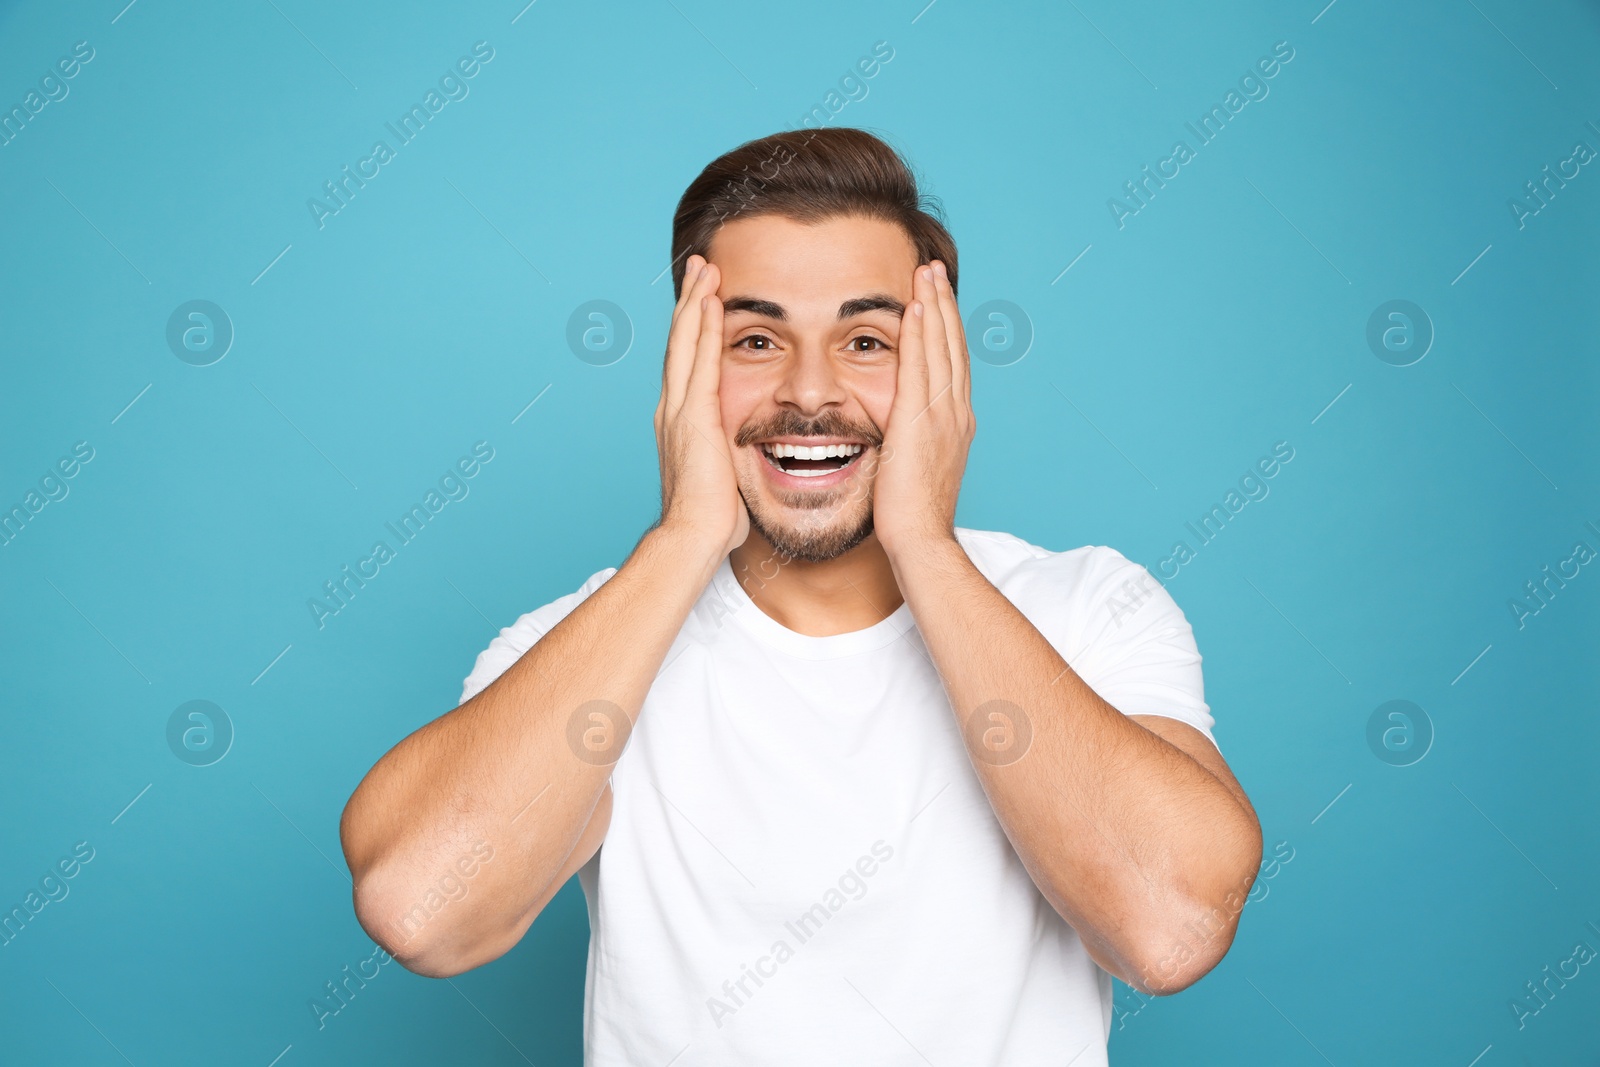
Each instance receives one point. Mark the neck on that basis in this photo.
(850, 592)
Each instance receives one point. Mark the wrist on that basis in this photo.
(909, 550)
(685, 547)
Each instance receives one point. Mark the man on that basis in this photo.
(841, 782)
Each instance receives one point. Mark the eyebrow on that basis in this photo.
(848, 310)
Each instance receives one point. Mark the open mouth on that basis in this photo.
(810, 461)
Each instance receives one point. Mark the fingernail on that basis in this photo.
(916, 308)
(939, 266)
(927, 273)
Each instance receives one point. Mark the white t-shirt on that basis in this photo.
(802, 866)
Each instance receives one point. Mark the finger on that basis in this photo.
(701, 397)
(933, 332)
(956, 343)
(911, 378)
(681, 341)
(691, 271)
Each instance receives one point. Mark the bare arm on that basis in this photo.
(513, 785)
(1137, 834)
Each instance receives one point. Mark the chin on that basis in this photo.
(806, 530)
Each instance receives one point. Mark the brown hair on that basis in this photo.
(809, 175)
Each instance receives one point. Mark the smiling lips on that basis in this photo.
(810, 461)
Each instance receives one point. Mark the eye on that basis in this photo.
(876, 345)
(745, 342)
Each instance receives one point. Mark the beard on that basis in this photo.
(833, 533)
(815, 526)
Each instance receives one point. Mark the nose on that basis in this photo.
(809, 382)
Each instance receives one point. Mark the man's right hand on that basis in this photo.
(699, 492)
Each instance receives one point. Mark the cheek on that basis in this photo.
(875, 393)
(739, 398)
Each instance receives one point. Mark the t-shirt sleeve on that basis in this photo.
(1139, 651)
(509, 645)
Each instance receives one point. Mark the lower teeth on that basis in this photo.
(811, 472)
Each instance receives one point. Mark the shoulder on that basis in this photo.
(1095, 605)
(1109, 618)
(512, 641)
(1080, 580)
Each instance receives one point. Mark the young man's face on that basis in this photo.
(810, 357)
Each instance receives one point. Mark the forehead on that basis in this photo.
(798, 264)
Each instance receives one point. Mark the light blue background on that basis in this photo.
(1224, 317)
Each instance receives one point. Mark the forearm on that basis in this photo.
(502, 768)
(1126, 835)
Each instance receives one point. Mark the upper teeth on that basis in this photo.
(811, 451)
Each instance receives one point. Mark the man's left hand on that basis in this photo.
(931, 424)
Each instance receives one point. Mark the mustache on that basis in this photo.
(792, 424)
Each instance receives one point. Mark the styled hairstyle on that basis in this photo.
(809, 175)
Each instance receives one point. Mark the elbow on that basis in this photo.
(432, 943)
(386, 921)
(1195, 938)
(402, 928)
(1178, 958)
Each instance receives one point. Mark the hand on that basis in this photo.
(931, 424)
(699, 493)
